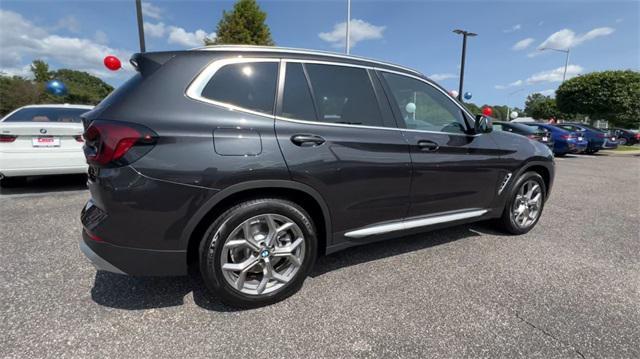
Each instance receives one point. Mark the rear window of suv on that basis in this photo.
(46, 114)
(250, 85)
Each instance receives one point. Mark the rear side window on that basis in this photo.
(296, 100)
(423, 107)
(47, 114)
(248, 85)
(344, 95)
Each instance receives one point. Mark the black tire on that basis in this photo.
(623, 141)
(507, 221)
(212, 245)
(11, 182)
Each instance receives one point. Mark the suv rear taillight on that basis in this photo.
(113, 144)
(7, 138)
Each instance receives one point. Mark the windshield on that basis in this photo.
(46, 114)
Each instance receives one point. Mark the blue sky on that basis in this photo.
(503, 65)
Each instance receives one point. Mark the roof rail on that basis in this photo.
(256, 48)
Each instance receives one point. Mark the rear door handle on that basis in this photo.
(307, 140)
(428, 146)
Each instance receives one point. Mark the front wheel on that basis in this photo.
(524, 206)
(258, 252)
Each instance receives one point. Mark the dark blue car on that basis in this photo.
(564, 141)
(595, 137)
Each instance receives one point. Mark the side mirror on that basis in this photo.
(483, 124)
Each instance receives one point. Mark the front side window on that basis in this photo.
(250, 85)
(423, 107)
(344, 95)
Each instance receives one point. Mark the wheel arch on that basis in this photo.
(299, 193)
(544, 169)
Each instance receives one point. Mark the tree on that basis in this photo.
(245, 24)
(40, 70)
(610, 95)
(16, 92)
(542, 107)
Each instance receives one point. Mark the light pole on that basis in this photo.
(140, 25)
(464, 53)
(566, 61)
(348, 24)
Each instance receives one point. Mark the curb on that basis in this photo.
(620, 153)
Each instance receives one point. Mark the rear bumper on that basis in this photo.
(133, 261)
(42, 163)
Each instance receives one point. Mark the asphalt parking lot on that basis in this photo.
(569, 288)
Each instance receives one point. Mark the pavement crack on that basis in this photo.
(532, 325)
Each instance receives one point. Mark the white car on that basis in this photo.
(42, 140)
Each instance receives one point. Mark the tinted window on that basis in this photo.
(248, 85)
(423, 107)
(344, 95)
(46, 114)
(296, 100)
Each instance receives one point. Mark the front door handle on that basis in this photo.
(307, 140)
(428, 146)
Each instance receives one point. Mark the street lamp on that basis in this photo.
(140, 25)
(348, 24)
(566, 61)
(464, 53)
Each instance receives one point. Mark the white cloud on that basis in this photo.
(69, 23)
(100, 37)
(550, 92)
(512, 84)
(513, 28)
(442, 77)
(22, 42)
(180, 36)
(566, 38)
(523, 44)
(151, 11)
(555, 75)
(154, 30)
(177, 35)
(360, 30)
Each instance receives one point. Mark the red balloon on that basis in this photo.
(487, 111)
(112, 63)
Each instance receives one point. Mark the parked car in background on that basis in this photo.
(563, 141)
(536, 134)
(595, 137)
(41, 140)
(624, 137)
(248, 162)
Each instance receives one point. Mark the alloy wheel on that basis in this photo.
(527, 204)
(262, 254)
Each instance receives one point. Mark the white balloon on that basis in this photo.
(513, 115)
(410, 108)
(454, 93)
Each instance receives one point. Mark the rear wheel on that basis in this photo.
(622, 141)
(258, 252)
(524, 207)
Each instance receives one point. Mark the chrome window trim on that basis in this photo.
(291, 50)
(418, 222)
(195, 88)
(194, 91)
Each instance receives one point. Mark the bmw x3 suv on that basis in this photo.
(250, 162)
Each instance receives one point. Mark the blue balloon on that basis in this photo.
(56, 87)
(467, 95)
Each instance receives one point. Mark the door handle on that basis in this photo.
(428, 146)
(307, 140)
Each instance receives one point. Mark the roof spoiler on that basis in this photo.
(148, 62)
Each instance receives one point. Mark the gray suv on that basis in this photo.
(249, 162)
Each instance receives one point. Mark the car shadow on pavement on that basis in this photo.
(138, 293)
(46, 184)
